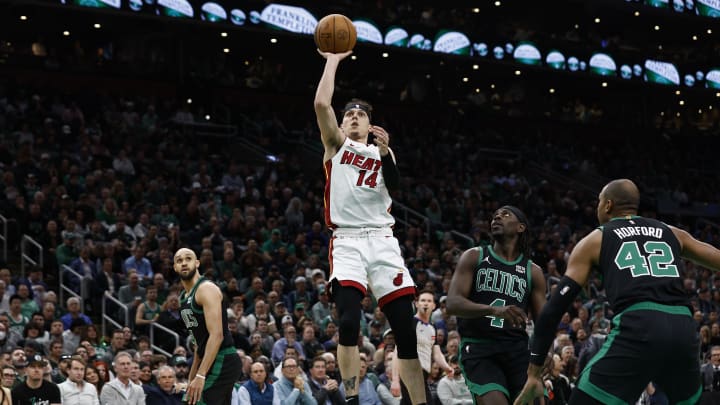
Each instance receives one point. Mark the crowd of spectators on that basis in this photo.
(111, 187)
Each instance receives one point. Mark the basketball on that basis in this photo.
(335, 33)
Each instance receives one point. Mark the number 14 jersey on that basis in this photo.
(355, 192)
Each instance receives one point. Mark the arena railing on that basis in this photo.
(63, 288)
(4, 237)
(167, 330)
(25, 257)
(107, 318)
(407, 214)
(467, 238)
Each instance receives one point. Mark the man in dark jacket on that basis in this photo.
(324, 390)
(256, 390)
(165, 393)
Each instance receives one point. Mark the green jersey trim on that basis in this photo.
(503, 261)
(480, 255)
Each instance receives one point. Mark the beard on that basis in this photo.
(189, 275)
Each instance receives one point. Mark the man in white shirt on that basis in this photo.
(75, 391)
(122, 391)
(452, 389)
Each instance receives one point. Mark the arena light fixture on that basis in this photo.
(682, 102)
(552, 90)
(97, 26)
(717, 95)
(223, 34)
(207, 117)
(577, 26)
(385, 54)
(677, 114)
(637, 14)
(189, 101)
(518, 73)
(353, 57)
(476, 10)
(476, 67)
(465, 79)
(226, 50)
(699, 110)
(66, 33)
(427, 76)
(23, 18)
(657, 28)
(597, 20)
(694, 37)
(492, 86)
(498, 3)
(709, 31)
(273, 40)
(604, 84)
(677, 92)
(477, 90)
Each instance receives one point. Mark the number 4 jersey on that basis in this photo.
(497, 282)
(355, 192)
(640, 260)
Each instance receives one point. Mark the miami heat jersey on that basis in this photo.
(355, 192)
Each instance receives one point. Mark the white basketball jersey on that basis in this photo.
(355, 192)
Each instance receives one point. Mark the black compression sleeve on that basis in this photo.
(546, 324)
(391, 174)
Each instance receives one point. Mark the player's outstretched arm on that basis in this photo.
(329, 131)
(699, 252)
(462, 282)
(580, 264)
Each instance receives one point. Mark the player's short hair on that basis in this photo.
(358, 103)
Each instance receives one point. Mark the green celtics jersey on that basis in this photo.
(193, 316)
(497, 282)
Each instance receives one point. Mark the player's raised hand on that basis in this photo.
(533, 389)
(338, 56)
(382, 139)
(516, 316)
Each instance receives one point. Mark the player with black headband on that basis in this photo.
(363, 251)
(653, 336)
(491, 292)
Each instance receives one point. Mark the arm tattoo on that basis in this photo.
(350, 383)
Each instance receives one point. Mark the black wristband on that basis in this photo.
(391, 174)
(546, 324)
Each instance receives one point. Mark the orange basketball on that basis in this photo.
(335, 33)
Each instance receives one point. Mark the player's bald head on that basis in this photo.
(624, 194)
(184, 251)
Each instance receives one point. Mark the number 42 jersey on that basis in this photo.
(497, 282)
(355, 192)
(640, 260)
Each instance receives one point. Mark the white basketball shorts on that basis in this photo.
(370, 258)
